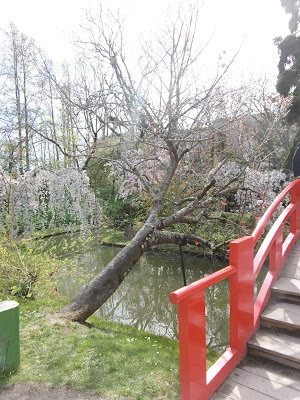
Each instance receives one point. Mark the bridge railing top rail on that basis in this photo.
(270, 211)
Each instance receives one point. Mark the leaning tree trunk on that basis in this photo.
(103, 285)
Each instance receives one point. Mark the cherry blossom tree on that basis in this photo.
(41, 199)
(174, 134)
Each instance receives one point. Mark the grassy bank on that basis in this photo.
(106, 358)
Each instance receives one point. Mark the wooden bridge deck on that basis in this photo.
(260, 379)
(272, 368)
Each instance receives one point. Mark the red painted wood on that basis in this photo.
(201, 284)
(295, 199)
(241, 256)
(192, 345)
(271, 209)
(267, 244)
(196, 382)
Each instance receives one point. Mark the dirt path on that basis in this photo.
(31, 391)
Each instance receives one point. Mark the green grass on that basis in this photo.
(106, 358)
(112, 236)
(107, 234)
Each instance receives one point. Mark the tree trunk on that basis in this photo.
(103, 285)
(27, 162)
(11, 200)
(289, 158)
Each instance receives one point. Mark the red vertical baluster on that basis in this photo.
(233, 302)
(242, 294)
(295, 217)
(275, 257)
(192, 347)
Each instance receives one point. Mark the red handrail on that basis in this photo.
(270, 211)
(196, 382)
(201, 284)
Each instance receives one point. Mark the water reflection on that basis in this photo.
(142, 300)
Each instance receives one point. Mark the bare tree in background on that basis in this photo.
(19, 100)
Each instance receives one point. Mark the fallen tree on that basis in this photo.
(173, 139)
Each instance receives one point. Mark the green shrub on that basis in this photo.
(27, 266)
(120, 212)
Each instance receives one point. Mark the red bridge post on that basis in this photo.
(192, 346)
(295, 218)
(241, 294)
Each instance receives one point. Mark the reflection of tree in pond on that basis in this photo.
(217, 315)
(146, 306)
(142, 300)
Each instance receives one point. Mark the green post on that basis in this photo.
(9, 336)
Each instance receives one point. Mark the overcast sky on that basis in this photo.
(254, 23)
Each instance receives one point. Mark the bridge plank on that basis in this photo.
(282, 313)
(277, 344)
(274, 389)
(291, 268)
(235, 391)
(260, 379)
(284, 375)
(287, 286)
(220, 396)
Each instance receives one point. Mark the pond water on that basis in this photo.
(142, 300)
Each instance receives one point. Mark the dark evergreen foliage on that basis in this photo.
(292, 7)
(288, 81)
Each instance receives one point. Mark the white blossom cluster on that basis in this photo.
(226, 171)
(261, 187)
(129, 186)
(46, 199)
(257, 188)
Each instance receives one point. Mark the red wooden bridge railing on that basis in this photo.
(198, 383)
